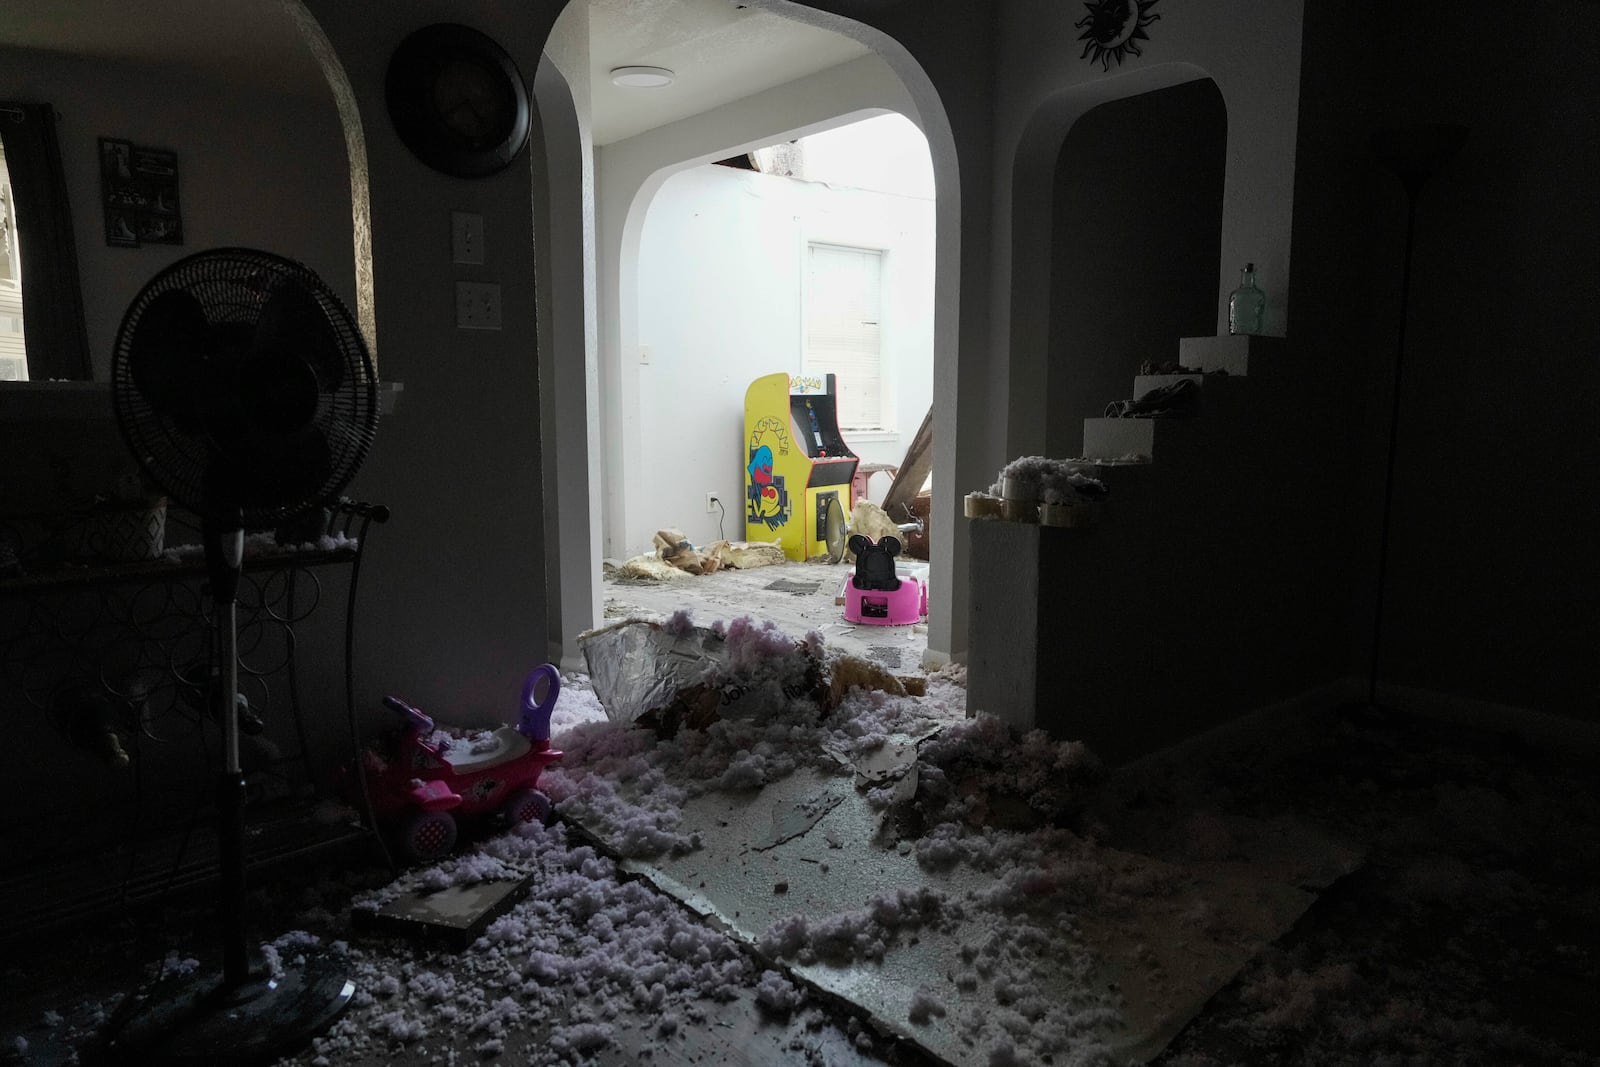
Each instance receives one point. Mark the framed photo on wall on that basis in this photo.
(139, 189)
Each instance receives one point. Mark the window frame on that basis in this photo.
(886, 406)
(52, 297)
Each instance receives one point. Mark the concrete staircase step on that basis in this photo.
(1240, 354)
(1118, 439)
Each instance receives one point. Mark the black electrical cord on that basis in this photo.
(720, 535)
(369, 514)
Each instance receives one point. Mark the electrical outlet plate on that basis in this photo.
(478, 305)
(466, 237)
(712, 499)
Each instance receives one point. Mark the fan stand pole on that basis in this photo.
(1412, 154)
(241, 1018)
(226, 556)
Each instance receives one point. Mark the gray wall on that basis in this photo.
(1137, 231)
(453, 597)
(1493, 592)
(281, 185)
(1496, 582)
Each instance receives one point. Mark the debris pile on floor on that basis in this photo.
(768, 714)
(676, 557)
(990, 898)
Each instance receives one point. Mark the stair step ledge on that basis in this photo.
(1118, 438)
(1233, 353)
(1143, 383)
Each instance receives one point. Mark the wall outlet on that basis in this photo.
(478, 305)
(713, 500)
(466, 237)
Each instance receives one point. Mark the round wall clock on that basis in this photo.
(457, 100)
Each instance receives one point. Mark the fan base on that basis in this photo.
(199, 1021)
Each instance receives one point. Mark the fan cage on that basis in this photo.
(233, 286)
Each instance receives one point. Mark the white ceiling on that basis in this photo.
(720, 50)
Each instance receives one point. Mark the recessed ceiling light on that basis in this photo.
(641, 77)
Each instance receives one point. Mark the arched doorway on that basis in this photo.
(1136, 234)
(607, 389)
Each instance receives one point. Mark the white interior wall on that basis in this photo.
(722, 261)
(564, 240)
(628, 175)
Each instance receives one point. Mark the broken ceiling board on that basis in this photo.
(453, 917)
(1166, 955)
(831, 870)
(1124, 966)
(790, 819)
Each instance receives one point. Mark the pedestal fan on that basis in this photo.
(243, 387)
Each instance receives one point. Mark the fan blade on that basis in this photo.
(293, 322)
(277, 391)
(167, 355)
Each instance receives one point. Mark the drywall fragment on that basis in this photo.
(846, 671)
(745, 555)
(650, 568)
(791, 819)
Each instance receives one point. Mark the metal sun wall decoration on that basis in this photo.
(1113, 28)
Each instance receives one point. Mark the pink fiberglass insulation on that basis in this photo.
(583, 958)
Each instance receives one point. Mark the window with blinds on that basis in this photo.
(843, 304)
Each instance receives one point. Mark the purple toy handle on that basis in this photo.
(534, 720)
(418, 719)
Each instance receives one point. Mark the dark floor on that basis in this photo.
(1471, 935)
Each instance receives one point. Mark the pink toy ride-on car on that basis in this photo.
(422, 780)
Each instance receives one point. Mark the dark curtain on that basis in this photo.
(52, 303)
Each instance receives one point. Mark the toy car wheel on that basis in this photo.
(428, 835)
(528, 805)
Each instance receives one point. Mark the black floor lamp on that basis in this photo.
(1413, 153)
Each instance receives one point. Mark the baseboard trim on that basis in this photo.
(1558, 734)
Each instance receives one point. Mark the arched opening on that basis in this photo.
(627, 174)
(1038, 296)
(1135, 240)
(738, 269)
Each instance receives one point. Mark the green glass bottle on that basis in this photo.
(1247, 304)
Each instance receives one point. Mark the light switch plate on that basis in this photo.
(478, 305)
(466, 237)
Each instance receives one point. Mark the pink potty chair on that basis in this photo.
(875, 594)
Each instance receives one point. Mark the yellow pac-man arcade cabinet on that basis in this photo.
(796, 465)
